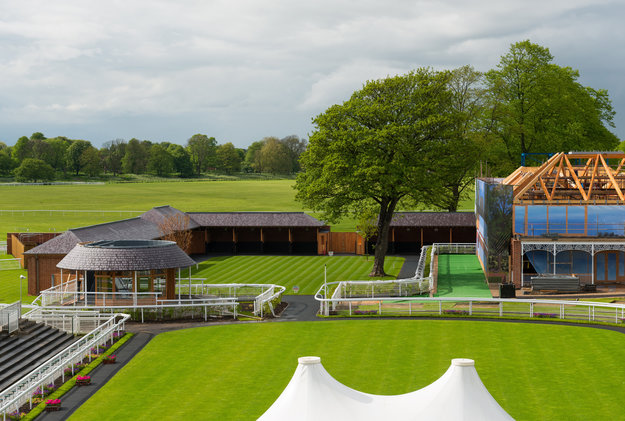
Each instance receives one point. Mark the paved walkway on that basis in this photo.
(408, 270)
(102, 374)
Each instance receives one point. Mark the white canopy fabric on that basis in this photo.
(313, 394)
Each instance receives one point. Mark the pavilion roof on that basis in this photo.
(255, 219)
(586, 177)
(125, 255)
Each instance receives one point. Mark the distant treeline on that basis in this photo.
(37, 158)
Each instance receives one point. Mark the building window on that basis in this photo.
(104, 283)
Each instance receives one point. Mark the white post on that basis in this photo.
(134, 296)
(554, 259)
(189, 282)
(22, 277)
(178, 285)
(592, 263)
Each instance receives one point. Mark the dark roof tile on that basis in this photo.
(433, 219)
(255, 219)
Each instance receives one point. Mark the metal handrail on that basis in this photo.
(18, 393)
(591, 305)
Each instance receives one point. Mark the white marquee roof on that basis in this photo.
(313, 394)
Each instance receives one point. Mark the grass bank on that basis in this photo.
(236, 372)
(305, 272)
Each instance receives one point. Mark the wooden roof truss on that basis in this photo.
(581, 177)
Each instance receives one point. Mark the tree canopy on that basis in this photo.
(377, 149)
(538, 106)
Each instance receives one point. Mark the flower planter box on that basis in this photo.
(52, 408)
(109, 360)
(83, 382)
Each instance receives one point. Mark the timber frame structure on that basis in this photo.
(582, 177)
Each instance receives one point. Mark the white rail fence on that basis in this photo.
(579, 311)
(416, 285)
(74, 322)
(219, 298)
(10, 264)
(263, 295)
(21, 391)
(10, 317)
(3, 247)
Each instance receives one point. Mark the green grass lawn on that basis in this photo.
(460, 275)
(306, 272)
(10, 285)
(187, 196)
(207, 196)
(536, 372)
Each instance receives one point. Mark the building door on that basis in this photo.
(609, 266)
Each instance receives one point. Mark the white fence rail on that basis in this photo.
(21, 391)
(10, 264)
(10, 317)
(262, 295)
(74, 322)
(579, 311)
(3, 247)
(416, 285)
(222, 298)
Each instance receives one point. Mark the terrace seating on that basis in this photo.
(33, 345)
(557, 283)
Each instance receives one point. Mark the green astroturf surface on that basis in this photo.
(306, 272)
(536, 372)
(460, 275)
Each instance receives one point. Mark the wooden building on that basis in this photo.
(211, 232)
(121, 272)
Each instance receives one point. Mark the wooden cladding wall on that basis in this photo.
(18, 243)
(346, 242)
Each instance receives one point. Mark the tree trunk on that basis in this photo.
(452, 206)
(387, 208)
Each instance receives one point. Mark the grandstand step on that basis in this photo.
(29, 354)
(24, 342)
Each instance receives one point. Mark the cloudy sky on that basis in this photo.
(240, 70)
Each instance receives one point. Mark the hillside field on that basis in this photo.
(136, 198)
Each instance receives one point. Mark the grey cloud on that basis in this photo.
(243, 70)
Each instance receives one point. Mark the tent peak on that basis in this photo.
(463, 362)
(309, 360)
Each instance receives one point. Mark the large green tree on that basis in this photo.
(252, 156)
(228, 158)
(112, 153)
(161, 162)
(91, 162)
(136, 155)
(182, 160)
(74, 153)
(378, 148)
(538, 106)
(202, 150)
(465, 143)
(34, 170)
(275, 157)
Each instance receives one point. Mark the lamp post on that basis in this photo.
(21, 278)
